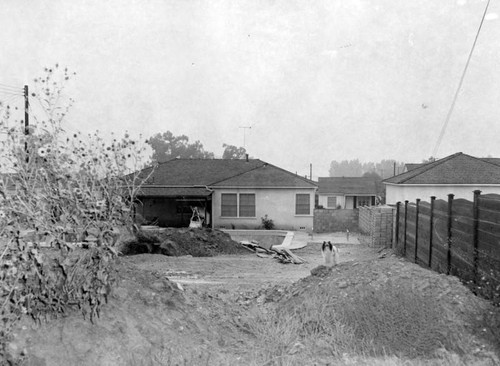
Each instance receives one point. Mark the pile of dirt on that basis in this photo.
(342, 285)
(199, 242)
(150, 320)
(145, 316)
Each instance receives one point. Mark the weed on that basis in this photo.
(267, 222)
(59, 186)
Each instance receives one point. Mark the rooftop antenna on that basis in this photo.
(245, 128)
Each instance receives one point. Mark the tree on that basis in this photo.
(233, 152)
(346, 168)
(353, 168)
(166, 146)
(373, 175)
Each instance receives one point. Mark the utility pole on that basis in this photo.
(244, 134)
(26, 119)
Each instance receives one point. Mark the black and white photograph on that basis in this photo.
(249, 182)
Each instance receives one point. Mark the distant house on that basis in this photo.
(459, 174)
(346, 192)
(229, 193)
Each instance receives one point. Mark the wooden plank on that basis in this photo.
(492, 227)
(489, 202)
(423, 256)
(441, 205)
(466, 223)
(463, 237)
(425, 210)
(488, 242)
(462, 207)
(489, 215)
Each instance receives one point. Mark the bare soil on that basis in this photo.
(189, 310)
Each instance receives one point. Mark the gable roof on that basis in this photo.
(458, 168)
(179, 177)
(347, 185)
(198, 172)
(266, 175)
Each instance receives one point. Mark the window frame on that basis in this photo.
(238, 207)
(228, 206)
(302, 205)
(328, 201)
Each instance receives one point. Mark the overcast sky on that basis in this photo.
(316, 80)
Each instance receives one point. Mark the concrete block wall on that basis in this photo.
(332, 220)
(365, 218)
(377, 222)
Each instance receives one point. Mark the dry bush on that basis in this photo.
(58, 186)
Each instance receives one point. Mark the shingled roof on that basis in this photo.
(458, 168)
(188, 177)
(198, 172)
(347, 185)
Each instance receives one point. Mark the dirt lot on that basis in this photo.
(247, 271)
(196, 310)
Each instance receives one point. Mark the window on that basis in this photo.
(302, 204)
(331, 202)
(363, 201)
(247, 205)
(229, 204)
(234, 206)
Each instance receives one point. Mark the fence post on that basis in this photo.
(396, 241)
(406, 221)
(433, 198)
(416, 228)
(475, 229)
(448, 240)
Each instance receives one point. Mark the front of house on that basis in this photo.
(458, 174)
(346, 192)
(228, 193)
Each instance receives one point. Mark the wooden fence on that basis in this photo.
(456, 237)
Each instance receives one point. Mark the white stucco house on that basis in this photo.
(459, 174)
(346, 192)
(230, 193)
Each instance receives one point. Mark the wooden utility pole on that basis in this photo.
(26, 114)
(26, 119)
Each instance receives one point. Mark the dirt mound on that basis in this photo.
(146, 312)
(203, 242)
(376, 289)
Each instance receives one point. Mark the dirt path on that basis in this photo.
(244, 272)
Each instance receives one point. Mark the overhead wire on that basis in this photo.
(452, 107)
(9, 86)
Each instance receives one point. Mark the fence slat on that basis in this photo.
(457, 237)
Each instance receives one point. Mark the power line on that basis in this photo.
(10, 93)
(450, 111)
(10, 86)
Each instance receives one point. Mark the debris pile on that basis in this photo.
(202, 242)
(282, 255)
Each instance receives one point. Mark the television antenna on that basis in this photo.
(245, 128)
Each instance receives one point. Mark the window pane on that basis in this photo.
(247, 205)
(302, 204)
(332, 202)
(228, 205)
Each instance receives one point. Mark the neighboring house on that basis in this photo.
(229, 193)
(346, 192)
(459, 174)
